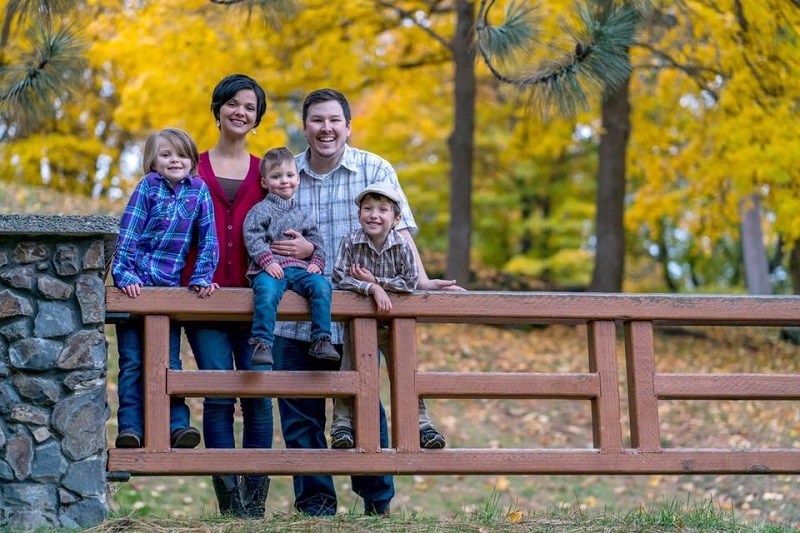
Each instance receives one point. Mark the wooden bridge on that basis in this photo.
(601, 314)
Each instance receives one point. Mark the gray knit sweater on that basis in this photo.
(266, 223)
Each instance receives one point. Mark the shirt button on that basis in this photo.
(230, 226)
(230, 244)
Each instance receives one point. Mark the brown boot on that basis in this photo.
(262, 355)
(323, 349)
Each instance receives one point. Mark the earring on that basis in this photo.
(217, 122)
(254, 131)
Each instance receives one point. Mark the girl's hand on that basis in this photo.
(204, 292)
(133, 291)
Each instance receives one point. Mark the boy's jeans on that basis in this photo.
(130, 345)
(268, 291)
(343, 407)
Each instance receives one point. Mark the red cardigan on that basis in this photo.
(229, 219)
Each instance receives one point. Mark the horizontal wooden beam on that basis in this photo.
(453, 461)
(507, 385)
(485, 307)
(727, 386)
(252, 383)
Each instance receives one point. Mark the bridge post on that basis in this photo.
(53, 365)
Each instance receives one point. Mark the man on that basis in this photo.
(331, 176)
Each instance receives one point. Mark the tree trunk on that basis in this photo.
(756, 266)
(609, 261)
(461, 145)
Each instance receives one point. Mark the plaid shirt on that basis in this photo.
(157, 229)
(330, 200)
(393, 265)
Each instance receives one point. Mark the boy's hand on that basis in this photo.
(313, 269)
(132, 291)
(362, 274)
(275, 270)
(204, 292)
(382, 301)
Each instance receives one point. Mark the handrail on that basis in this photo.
(637, 315)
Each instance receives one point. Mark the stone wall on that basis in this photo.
(53, 363)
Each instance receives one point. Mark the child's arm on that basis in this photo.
(208, 245)
(254, 230)
(131, 227)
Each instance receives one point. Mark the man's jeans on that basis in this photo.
(224, 348)
(303, 424)
(130, 384)
(268, 291)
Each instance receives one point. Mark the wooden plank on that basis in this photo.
(509, 385)
(642, 401)
(606, 414)
(455, 461)
(728, 386)
(366, 419)
(156, 398)
(484, 307)
(405, 401)
(253, 383)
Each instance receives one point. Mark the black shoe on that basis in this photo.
(431, 439)
(371, 509)
(323, 349)
(128, 439)
(262, 355)
(184, 438)
(228, 497)
(254, 491)
(342, 438)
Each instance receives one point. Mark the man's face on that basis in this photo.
(326, 130)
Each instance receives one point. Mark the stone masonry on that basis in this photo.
(53, 363)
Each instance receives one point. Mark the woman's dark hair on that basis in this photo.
(326, 95)
(229, 86)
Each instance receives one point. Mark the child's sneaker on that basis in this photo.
(431, 439)
(262, 355)
(323, 349)
(342, 438)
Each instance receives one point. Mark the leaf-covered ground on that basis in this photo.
(560, 424)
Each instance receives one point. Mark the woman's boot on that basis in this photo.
(228, 497)
(254, 496)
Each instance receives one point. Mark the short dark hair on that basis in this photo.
(182, 141)
(326, 95)
(229, 86)
(275, 156)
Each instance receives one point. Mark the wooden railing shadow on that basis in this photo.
(601, 313)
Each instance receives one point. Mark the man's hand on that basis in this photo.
(439, 285)
(296, 246)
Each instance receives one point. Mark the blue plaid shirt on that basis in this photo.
(156, 229)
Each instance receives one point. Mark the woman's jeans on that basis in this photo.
(130, 386)
(226, 347)
(267, 294)
(303, 424)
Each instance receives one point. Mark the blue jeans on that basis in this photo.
(130, 345)
(224, 348)
(303, 425)
(268, 291)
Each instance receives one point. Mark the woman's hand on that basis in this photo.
(296, 247)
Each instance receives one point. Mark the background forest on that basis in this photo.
(666, 181)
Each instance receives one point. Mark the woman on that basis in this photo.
(233, 178)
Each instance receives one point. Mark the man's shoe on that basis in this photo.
(184, 438)
(262, 355)
(323, 349)
(342, 438)
(371, 509)
(128, 439)
(431, 439)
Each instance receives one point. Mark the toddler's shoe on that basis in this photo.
(323, 349)
(431, 439)
(342, 438)
(262, 355)
(184, 438)
(128, 439)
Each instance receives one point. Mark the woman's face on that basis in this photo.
(237, 116)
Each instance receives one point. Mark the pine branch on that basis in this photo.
(30, 90)
(598, 64)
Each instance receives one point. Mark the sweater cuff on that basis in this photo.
(266, 260)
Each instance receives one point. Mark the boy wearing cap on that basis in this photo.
(373, 260)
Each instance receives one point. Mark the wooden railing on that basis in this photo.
(601, 313)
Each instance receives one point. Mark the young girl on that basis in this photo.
(169, 207)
